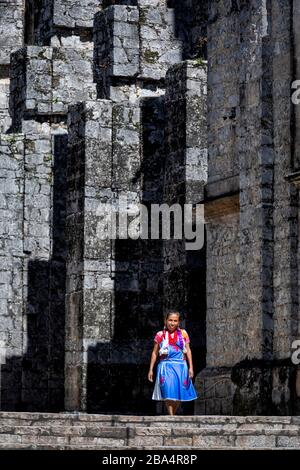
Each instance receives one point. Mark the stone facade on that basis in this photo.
(102, 99)
(11, 39)
(87, 125)
(252, 269)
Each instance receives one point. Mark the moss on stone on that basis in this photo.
(48, 158)
(29, 145)
(10, 139)
(143, 15)
(151, 56)
(199, 62)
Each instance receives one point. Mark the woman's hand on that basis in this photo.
(191, 373)
(150, 375)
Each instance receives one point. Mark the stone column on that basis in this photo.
(51, 20)
(11, 39)
(11, 266)
(45, 81)
(88, 315)
(251, 316)
(184, 182)
(134, 47)
(109, 309)
(37, 246)
(221, 210)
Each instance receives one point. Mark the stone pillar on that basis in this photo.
(37, 246)
(58, 75)
(221, 210)
(251, 314)
(184, 182)
(108, 305)
(11, 39)
(49, 20)
(11, 270)
(89, 258)
(134, 47)
(159, 47)
(116, 39)
(31, 312)
(11, 28)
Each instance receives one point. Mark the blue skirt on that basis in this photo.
(173, 382)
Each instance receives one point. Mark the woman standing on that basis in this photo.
(174, 377)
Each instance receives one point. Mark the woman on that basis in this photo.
(173, 381)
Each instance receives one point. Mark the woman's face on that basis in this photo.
(172, 322)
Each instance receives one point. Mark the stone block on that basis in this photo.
(78, 14)
(159, 46)
(213, 441)
(286, 441)
(116, 42)
(99, 441)
(150, 431)
(256, 441)
(126, 147)
(11, 28)
(46, 80)
(5, 119)
(179, 441)
(145, 441)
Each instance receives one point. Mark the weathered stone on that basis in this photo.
(46, 80)
(147, 136)
(11, 28)
(250, 310)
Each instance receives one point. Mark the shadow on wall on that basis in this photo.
(191, 26)
(35, 382)
(117, 372)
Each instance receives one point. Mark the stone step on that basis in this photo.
(156, 448)
(123, 431)
(210, 419)
(84, 431)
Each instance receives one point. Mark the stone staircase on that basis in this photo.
(107, 432)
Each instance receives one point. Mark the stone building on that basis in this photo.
(101, 99)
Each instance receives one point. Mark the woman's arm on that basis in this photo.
(190, 360)
(154, 356)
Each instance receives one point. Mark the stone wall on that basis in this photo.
(45, 80)
(86, 101)
(252, 315)
(32, 254)
(49, 20)
(134, 47)
(95, 104)
(11, 39)
(184, 181)
(11, 28)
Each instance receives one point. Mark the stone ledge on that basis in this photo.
(146, 432)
